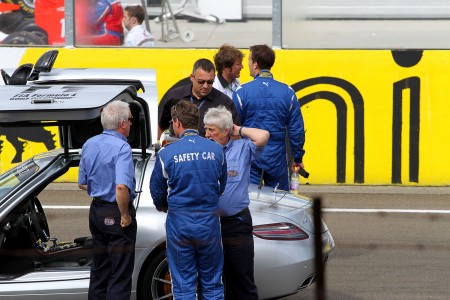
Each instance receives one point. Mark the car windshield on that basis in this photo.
(15, 176)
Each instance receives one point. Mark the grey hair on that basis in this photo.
(220, 117)
(114, 113)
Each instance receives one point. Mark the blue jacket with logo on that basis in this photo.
(272, 105)
(188, 178)
(191, 173)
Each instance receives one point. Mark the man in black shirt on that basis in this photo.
(201, 92)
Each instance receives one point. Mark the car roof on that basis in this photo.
(75, 108)
(28, 104)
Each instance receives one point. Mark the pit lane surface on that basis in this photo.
(391, 242)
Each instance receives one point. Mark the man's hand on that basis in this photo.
(297, 166)
(125, 220)
(300, 169)
(162, 208)
(234, 134)
(123, 200)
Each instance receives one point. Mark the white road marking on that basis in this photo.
(329, 210)
(386, 210)
(65, 207)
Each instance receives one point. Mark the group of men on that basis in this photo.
(102, 22)
(228, 136)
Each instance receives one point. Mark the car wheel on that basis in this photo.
(26, 7)
(30, 26)
(10, 21)
(24, 38)
(156, 280)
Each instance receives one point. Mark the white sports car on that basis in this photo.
(33, 264)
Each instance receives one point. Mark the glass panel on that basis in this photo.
(165, 23)
(14, 177)
(175, 23)
(365, 24)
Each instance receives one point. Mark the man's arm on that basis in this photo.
(165, 117)
(234, 114)
(223, 176)
(258, 136)
(123, 200)
(296, 133)
(102, 11)
(125, 183)
(158, 186)
(237, 101)
(82, 176)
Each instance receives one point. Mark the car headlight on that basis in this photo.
(279, 231)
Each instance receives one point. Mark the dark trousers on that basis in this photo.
(238, 248)
(113, 261)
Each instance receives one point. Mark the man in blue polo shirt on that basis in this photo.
(236, 220)
(107, 173)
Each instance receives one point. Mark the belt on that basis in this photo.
(245, 210)
(100, 201)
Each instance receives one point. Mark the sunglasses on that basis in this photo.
(202, 82)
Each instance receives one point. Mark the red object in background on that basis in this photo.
(84, 10)
(49, 14)
(7, 7)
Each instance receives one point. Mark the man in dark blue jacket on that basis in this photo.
(271, 105)
(189, 176)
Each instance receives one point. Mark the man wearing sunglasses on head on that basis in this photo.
(199, 91)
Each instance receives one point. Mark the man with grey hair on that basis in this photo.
(107, 173)
(235, 217)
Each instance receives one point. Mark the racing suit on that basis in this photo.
(188, 178)
(271, 105)
(108, 29)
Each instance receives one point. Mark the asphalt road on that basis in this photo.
(391, 242)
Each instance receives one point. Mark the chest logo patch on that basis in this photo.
(232, 173)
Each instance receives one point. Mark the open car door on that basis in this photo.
(32, 260)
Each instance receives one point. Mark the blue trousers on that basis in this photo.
(195, 249)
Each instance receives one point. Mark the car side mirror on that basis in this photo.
(20, 75)
(44, 64)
